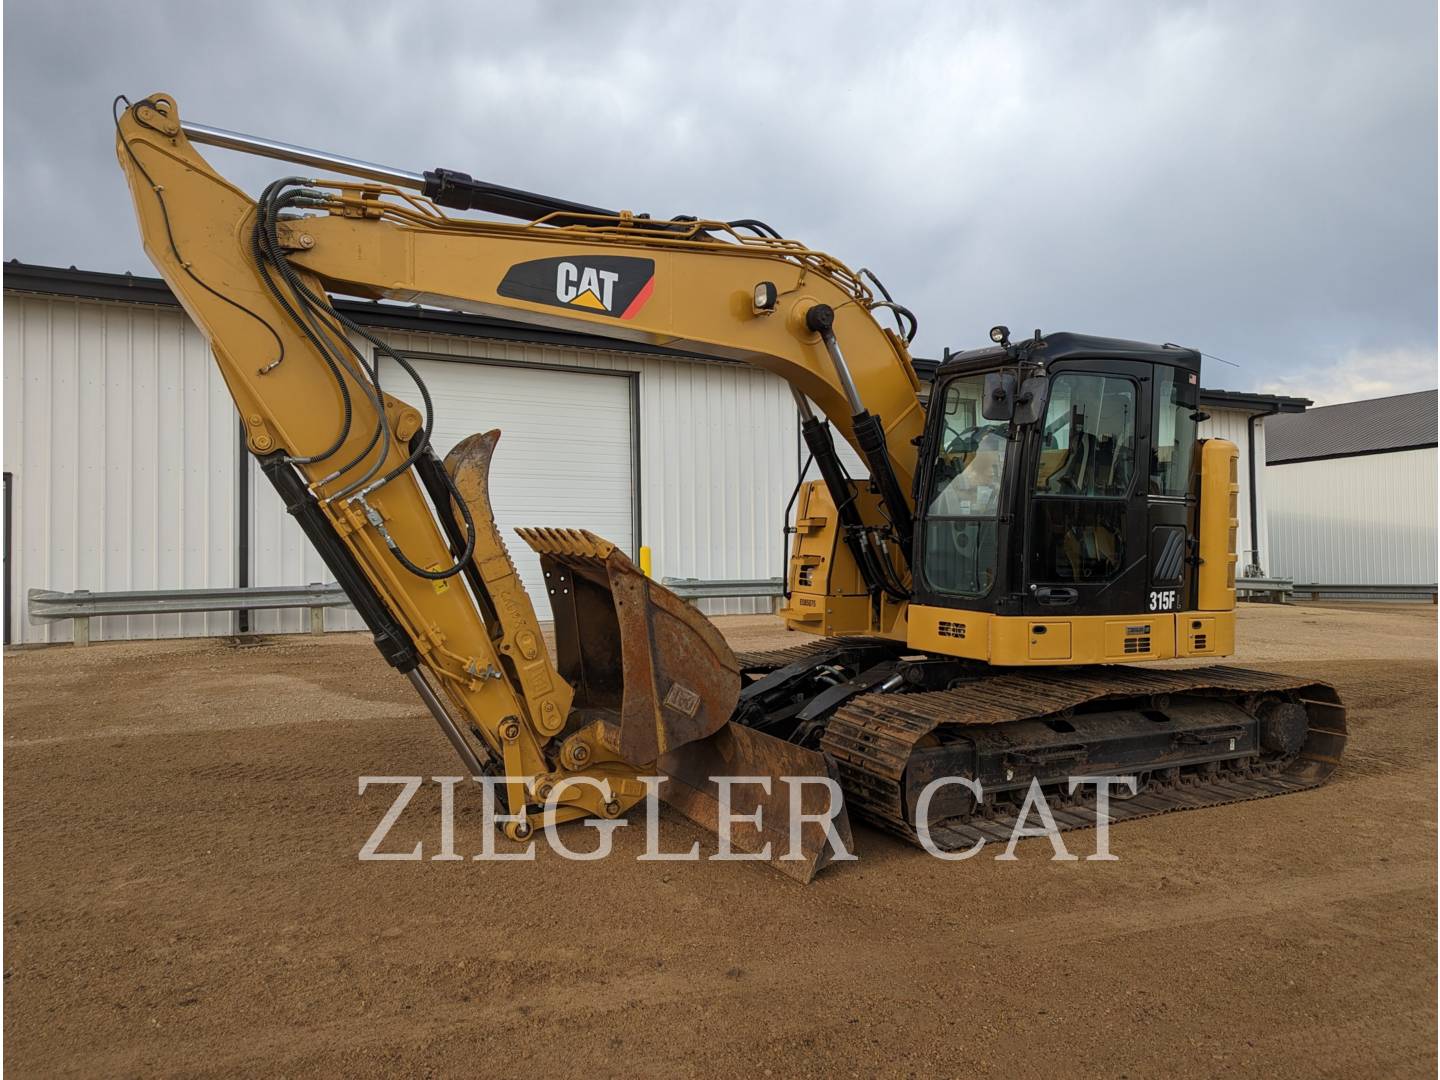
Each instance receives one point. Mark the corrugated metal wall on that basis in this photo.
(123, 444)
(121, 439)
(1355, 521)
(1233, 425)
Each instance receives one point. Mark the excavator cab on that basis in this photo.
(1058, 495)
(1067, 518)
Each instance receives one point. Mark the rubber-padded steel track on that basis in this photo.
(775, 659)
(873, 736)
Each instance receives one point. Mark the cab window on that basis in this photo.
(1088, 447)
(962, 509)
(1174, 427)
(1083, 478)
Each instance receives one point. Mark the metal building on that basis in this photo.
(125, 470)
(1242, 418)
(1351, 493)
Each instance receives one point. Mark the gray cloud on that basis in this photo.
(1257, 180)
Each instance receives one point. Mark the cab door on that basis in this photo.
(1171, 498)
(1087, 532)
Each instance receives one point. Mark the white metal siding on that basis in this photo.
(717, 463)
(1234, 425)
(717, 456)
(565, 455)
(122, 442)
(1366, 520)
(856, 467)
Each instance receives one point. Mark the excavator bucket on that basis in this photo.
(776, 772)
(662, 679)
(633, 649)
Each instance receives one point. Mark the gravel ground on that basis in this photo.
(184, 898)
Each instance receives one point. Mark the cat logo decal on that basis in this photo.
(613, 285)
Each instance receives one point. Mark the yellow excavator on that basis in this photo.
(978, 605)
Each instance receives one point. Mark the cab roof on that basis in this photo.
(1066, 346)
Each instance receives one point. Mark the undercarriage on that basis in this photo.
(895, 722)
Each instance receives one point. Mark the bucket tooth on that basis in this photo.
(573, 543)
(656, 669)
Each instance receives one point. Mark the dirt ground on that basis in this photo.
(183, 897)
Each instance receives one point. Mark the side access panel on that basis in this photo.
(1016, 641)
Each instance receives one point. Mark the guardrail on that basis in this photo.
(47, 605)
(697, 589)
(1278, 590)
(1281, 589)
(81, 606)
(1368, 592)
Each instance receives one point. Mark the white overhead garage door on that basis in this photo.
(566, 453)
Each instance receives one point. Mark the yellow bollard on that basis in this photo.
(645, 561)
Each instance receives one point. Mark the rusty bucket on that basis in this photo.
(633, 649)
(662, 679)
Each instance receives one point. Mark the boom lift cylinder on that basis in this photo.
(869, 433)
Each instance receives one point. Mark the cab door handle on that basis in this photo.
(1053, 596)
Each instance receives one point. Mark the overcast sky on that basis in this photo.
(1257, 180)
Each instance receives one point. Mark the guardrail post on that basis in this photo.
(317, 620)
(81, 624)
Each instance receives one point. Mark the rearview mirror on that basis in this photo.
(999, 403)
(1030, 402)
